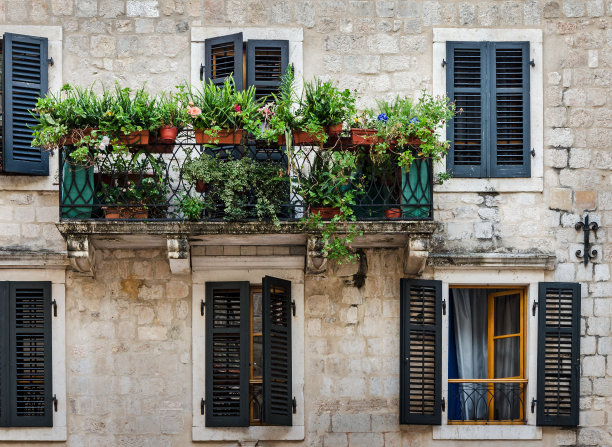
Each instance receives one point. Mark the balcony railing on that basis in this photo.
(149, 183)
(486, 401)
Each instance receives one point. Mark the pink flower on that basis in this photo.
(194, 111)
(191, 103)
(238, 108)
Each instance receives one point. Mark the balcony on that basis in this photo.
(257, 195)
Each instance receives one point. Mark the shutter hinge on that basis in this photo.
(201, 72)
(294, 405)
(202, 405)
(54, 304)
(202, 305)
(443, 307)
(50, 61)
(533, 405)
(293, 307)
(533, 152)
(533, 308)
(532, 62)
(444, 63)
(443, 404)
(54, 402)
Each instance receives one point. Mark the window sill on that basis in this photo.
(34, 434)
(294, 433)
(487, 432)
(533, 184)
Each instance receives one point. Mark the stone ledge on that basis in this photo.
(33, 259)
(542, 261)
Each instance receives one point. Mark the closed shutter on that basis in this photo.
(4, 353)
(510, 110)
(421, 352)
(227, 354)
(24, 80)
(222, 58)
(267, 62)
(558, 354)
(276, 309)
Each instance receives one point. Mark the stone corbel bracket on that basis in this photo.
(81, 254)
(179, 255)
(416, 254)
(316, 262)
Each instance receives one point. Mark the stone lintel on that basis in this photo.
(541, 261)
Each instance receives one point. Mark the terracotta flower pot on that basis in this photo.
(125, 212)
(201, 186)
(168, 134)
(393, 213)
(363, 137)
(301, 137)
(139, 138)
(76, 135)
(326, 212)
(233, 137)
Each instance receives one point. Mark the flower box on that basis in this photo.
(125, 212)
(364, 137)
(229, 137)
(393, 213)
(139, 138)
(76, 135)
(326, 212)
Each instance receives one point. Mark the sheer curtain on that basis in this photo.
(471, 326)
(507, 353)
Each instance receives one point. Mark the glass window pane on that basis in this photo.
(257, 312)
(508, 314)
(256, 402)
(507, 357)
(257, 357)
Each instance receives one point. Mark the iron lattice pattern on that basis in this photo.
(89, 192)
(484, 402)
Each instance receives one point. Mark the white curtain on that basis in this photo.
(507, 356)
(471, 337)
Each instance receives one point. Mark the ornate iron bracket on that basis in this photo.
(586, 226)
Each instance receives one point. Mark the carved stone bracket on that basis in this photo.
(316, 262)
(416, 254)
(178, 255)
(81, 254)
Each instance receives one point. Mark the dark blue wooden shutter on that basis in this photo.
(4, 354)
(420, 352)
(24, 80)
(223, 57)
(466, 85)
(267, 62)
(510, 129)
(227, 354)
(558, 354)
(276, 309)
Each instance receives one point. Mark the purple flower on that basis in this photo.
(383, 117)
(414, 120)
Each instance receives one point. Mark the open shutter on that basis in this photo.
(466, 85)
(510, 155)
(223, 57)
(558, 354)
(24, 80)
(276, 309)
(421, 352)
(30, 385)
(267, 62)
(4, 353)
(227, 354)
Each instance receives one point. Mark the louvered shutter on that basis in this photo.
(267, 62)
(223, 57)
(4, 353)
(467, 87)
(510, 155)
(227, 354)
(421, 352)
(558, 354)
(276, 309)
(24, 80)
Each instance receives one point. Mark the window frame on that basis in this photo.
(222, 272)
(535, 183)
(57, 277)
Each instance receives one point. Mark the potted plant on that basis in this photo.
(200, 171)
(173, 116)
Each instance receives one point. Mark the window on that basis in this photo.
(26, 394)
(248, 354)
(485, 346)
(489, 83)
(24, 79)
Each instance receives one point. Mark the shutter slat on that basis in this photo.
(267, 62)
(4, 353)
(227, 354)
(277, 378)
(222, 58)
(25, 79)
(558, 354)
(420, 352)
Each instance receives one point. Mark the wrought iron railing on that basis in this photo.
(149, 183)
(486, 401)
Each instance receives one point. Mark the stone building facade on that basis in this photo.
(125, 344)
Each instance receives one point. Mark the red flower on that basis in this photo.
(238, 108)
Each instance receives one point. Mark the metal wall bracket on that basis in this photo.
(202, 406)
(533, 405)
(443, 307)
(294, 405)
(586, 226)
(54, 403)
(202, 307)
(444, 63)
(201, 72)
(532, 62)
(443, 403)
(534, 306)
(54, 305)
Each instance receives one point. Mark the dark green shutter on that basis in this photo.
(223, 57)
(4, 353)
(558, 354)
(489, 83)
(267, 62)
(276, 309)
(420, 352)
(227, 354)
(24, 77)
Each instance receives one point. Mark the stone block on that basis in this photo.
(385, 8)
(152, 333)
(408, 9)
(412, 44)
(142, 8)
(86, 8)
(532, 12)
(383, 44)
(110, 9)
(483, 230)
(388, 422)
(366, 440)
(171, 421)
(560, 137)
(593, 366)
(573, 8)
(488, 13)
(335, 440)
(579, 158)
(362, 64)
(62, 7)
(585, 200)
(467, 14)
(556, 158)
(319, 422)
(350, 423)
(305, 13)
(561, 199)
(565, 272)
(565, 437)
(601, 272)
(598, 326)
(432, 13)
(511, 13)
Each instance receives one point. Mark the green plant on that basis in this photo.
(171, 110)
(129, 111)
(191, 207)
